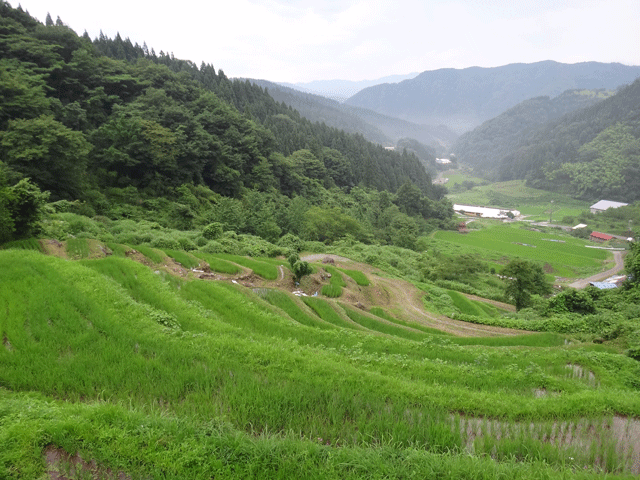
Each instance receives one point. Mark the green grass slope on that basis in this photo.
(107, 358)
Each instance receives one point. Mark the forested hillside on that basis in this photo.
(374, 126)
(485, 146)
(125, 132)
(463, 99)
(591, 153)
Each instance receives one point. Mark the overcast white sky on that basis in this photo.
(304, 40)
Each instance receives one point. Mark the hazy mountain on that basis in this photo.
(592, 153)
(486, 145)
(463, 99)
(340, 90)
(374, 126)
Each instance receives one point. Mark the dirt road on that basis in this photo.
(584, 282)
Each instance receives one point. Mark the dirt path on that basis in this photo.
(410, 298)
(404, 300)
(584, 282)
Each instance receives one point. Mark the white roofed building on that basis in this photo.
(603, 205)
(485, 212)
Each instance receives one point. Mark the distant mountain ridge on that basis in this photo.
(340, 90)
(373, 126)
(463, 99)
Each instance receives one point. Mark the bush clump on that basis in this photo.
(212, 231)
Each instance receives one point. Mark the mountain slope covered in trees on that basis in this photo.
(125, 132)
(485, 146)
(463, 99)
(591, 153)
(374, 126)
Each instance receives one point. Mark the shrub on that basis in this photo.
(201, 241)
(298, 267)
(212, 231)
(291, 242)
(634, 352)
(186, 244)
(165, 242)
(213, 247)
(572, 300)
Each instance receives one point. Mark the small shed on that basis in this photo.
(603, 205)
(600, 237)
(603, 285)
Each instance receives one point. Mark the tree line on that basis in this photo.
(121, 131)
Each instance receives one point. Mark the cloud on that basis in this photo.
(303, 40)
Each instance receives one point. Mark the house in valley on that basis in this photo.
(599, 237)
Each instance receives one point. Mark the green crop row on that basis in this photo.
(217, 264)
(266, 270)
(183, 359)
(357, 276)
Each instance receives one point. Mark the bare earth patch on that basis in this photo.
(64, 466)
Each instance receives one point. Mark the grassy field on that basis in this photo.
(156, 376)
(357, 276)
(153, 254)
(262, 267)
(183, 258)
(28, 244)
(336, 282)
(567, 256)
(218, 265)
(536, 204)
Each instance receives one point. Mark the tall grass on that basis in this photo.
(382, 314)
(266, 270)
(381, 326)
(357, 276)
(142, 445)
(117, 249)
(155, 255)
(293, 308)
(78, 248)
(27, 244)
(336, 282)
(162, 377)
(218, 265)
(472, 307)
(328, 313)
(183, 258)
(331, 291)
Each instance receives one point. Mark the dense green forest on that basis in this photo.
(110, 128)
(374, 126)
(486, 145)
(590, 153)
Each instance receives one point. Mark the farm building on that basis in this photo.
(611, 282)
(600, 237)
(603, 205)
(485, 212)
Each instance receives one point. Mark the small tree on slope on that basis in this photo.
(523, 280)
